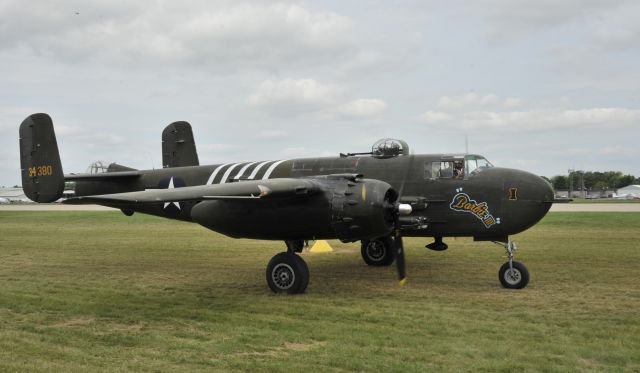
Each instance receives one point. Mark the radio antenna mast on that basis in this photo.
(466, 144)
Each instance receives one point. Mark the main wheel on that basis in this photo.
(517, 278)
(287, 273)
(378, 252)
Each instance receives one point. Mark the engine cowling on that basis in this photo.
(345, 207)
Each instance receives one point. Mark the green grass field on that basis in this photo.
(605, 200)
(97, 291)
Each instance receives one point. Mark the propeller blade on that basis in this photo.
(401, 209)
(397, 239)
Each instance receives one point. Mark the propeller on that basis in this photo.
(401, 209)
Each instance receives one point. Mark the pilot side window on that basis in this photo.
(428, 174)
(438, 170)
(446, 170)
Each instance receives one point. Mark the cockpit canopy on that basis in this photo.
(456, 166)
(476, 163)
(388, 148)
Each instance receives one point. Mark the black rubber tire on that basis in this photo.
(378, 252)
(519, 281)
(287, 273)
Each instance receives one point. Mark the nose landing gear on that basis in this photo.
(512, 274)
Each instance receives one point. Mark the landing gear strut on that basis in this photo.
(288, 272)
(512, 274)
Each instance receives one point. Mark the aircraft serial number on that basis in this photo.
(40, 171)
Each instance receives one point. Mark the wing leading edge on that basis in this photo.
(247, 190)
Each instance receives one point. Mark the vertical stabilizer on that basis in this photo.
(178, 146)
(42, 176)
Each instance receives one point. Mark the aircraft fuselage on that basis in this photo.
(488, 204)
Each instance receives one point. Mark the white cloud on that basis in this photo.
(272, 135)
(219, 148)
(221, 35)
(511, 102)
(536, 119)
(470, 99)
(618, 150)
(302, 93)
(364, 107)
(314, 100)
(435, 117)
(508, 19)
(295, 152)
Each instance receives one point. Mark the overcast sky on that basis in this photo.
(541, 85)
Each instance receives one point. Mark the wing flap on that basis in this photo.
(246, 190)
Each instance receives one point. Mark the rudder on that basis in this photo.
(178, 146)
(41, 169)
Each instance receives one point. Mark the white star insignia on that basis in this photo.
(176, 204)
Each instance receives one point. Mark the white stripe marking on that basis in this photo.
(255, 170)
(226, 174)
(215, 173)
(243, 169)
(271, 168)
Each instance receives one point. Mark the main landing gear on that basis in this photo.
(512, 274)
(287, 272)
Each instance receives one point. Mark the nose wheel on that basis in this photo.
(512, 274)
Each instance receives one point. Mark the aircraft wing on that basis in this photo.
(246, 190)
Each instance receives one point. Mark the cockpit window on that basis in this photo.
(476, 163)
(445, 169)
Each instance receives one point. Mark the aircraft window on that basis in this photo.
(483, 163)
(476, 164)
(472, 164)
(446, 170)
(428, 170)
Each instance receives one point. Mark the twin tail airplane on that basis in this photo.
(375, 197)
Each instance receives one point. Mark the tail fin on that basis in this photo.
(178, 146)
(42, 176)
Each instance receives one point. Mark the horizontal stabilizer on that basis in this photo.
(247, 190)
(104, 176)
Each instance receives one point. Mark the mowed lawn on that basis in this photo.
(98, 291)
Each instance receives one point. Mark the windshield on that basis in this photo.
(476, 163)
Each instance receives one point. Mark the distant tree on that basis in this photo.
(626, 180)
(559, 182)
(594, 180)
(600, 185)
(612, 178)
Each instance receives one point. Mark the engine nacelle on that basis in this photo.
(345, 207)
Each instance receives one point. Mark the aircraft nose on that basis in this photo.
(529, 198)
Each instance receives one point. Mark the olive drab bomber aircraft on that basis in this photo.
(375, 197)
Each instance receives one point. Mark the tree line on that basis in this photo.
(593, 180)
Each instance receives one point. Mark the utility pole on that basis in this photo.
(571, 171)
